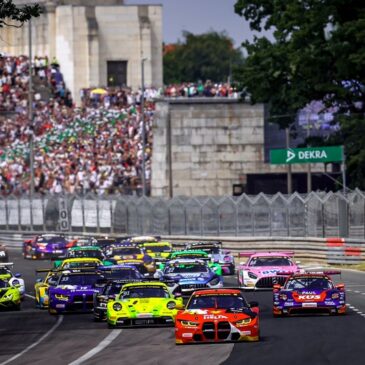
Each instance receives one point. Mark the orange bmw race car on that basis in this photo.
(217, 315)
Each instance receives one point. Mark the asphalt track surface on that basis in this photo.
(32, 336)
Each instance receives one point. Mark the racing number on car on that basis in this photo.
(63, 217)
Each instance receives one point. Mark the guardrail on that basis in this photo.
(323, 250)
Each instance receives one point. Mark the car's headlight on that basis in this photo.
(252, 276)
(215, 281)
(117, 307)
(61, 297)
(15, 282)
(171, 305)
(9, 296)
(189, 324)
(243, 322)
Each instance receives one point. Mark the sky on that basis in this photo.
(200, 16)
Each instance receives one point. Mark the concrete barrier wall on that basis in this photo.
(325, 250)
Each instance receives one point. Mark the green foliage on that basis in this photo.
(17, 14)
(208, 56)
(317, 46)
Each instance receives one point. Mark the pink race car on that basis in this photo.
(260, 270)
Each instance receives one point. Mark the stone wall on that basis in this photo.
(83, 38)
(215, 143)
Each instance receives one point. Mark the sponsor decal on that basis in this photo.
(309, 305)
(288, 304)
(60, 305)
(245, 333)
(144, 315)
(268, 272)
(187, 335)
(212, 316)
(309, 297)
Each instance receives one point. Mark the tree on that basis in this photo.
(19, 14)
(209, 56)
(318, 53)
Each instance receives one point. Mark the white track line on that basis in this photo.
(29, 296)
(59, 321)
(101, 346)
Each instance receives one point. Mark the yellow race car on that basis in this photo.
(42, 285)
(143, 304)
(10, 297)
(159, 251)
(80, 263)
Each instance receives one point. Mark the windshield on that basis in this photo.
(4, 271)
(270, 261)
(113, 288)
(122, 274)
(81, 280)
(4, 284)
(217, 301)
(187, 268)
(86, 253)
(77, 265)
(308, 283)
(208, 249)
(145, 292)
(124, 251)
(164, 248)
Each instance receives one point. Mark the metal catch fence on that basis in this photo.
(313, 215)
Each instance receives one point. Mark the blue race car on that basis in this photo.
(310, 292)
(47, 246)
(190, 275)
(74, 291)
(216, 253)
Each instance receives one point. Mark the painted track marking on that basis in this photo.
(357, 311)
(29, 296)
(101, 346)
(48, 333)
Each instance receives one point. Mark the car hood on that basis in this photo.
(213, 314)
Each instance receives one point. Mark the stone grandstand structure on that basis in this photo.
(97, 42)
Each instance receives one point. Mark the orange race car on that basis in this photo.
(217, 315)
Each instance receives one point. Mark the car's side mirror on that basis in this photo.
(253, 304)
(18, 275)
(39, 280)
(276, 287)
(298, 262)
(340, 287)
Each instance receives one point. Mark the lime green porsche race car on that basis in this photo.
(143, 304)
(10, 297)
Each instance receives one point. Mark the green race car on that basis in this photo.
(195, 254)
(9, 295)
(143, 304)
(82, 252)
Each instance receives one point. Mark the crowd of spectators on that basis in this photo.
(96, 147)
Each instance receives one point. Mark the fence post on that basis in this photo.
(343, 218)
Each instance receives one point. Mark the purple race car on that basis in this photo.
(74, 291)
(47, 246)
(310, 292)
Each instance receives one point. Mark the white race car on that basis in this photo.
(13, 279)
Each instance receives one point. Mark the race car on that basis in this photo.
(217, 315)
(310, 292)
(4, 255)
(82, 252)
(143, 239)
(195, 254)
(79, 263)
(10, 297)
(214, 249)
(146, 266)
(260, 270)
(159, 251)
(114, 279)
(73, 292)
(143, 304)
(102, 242)
(47, 246)
(190, 275)
(42, 285)
(124, 251)
(14, 279)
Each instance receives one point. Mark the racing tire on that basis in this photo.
(111, 326)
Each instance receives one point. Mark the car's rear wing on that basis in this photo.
(279, 253)
(7, 264)
(323, 272)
